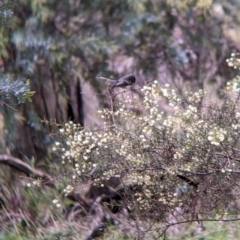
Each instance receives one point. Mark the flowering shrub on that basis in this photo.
(234, 60)
(187, 161)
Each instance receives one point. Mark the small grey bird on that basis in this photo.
(122, 82)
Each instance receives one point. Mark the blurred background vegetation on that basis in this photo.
(51, 52)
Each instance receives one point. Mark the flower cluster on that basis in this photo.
(234, 85)
(195, 97)
(68, 190)
(56, 203)
(234, 60)
(216, 136)
(151, 95)
(171, 95)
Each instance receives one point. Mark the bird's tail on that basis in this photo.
(107, 79)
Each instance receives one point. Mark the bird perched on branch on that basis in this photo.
(122, 82)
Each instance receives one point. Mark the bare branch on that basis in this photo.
(26, 168)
